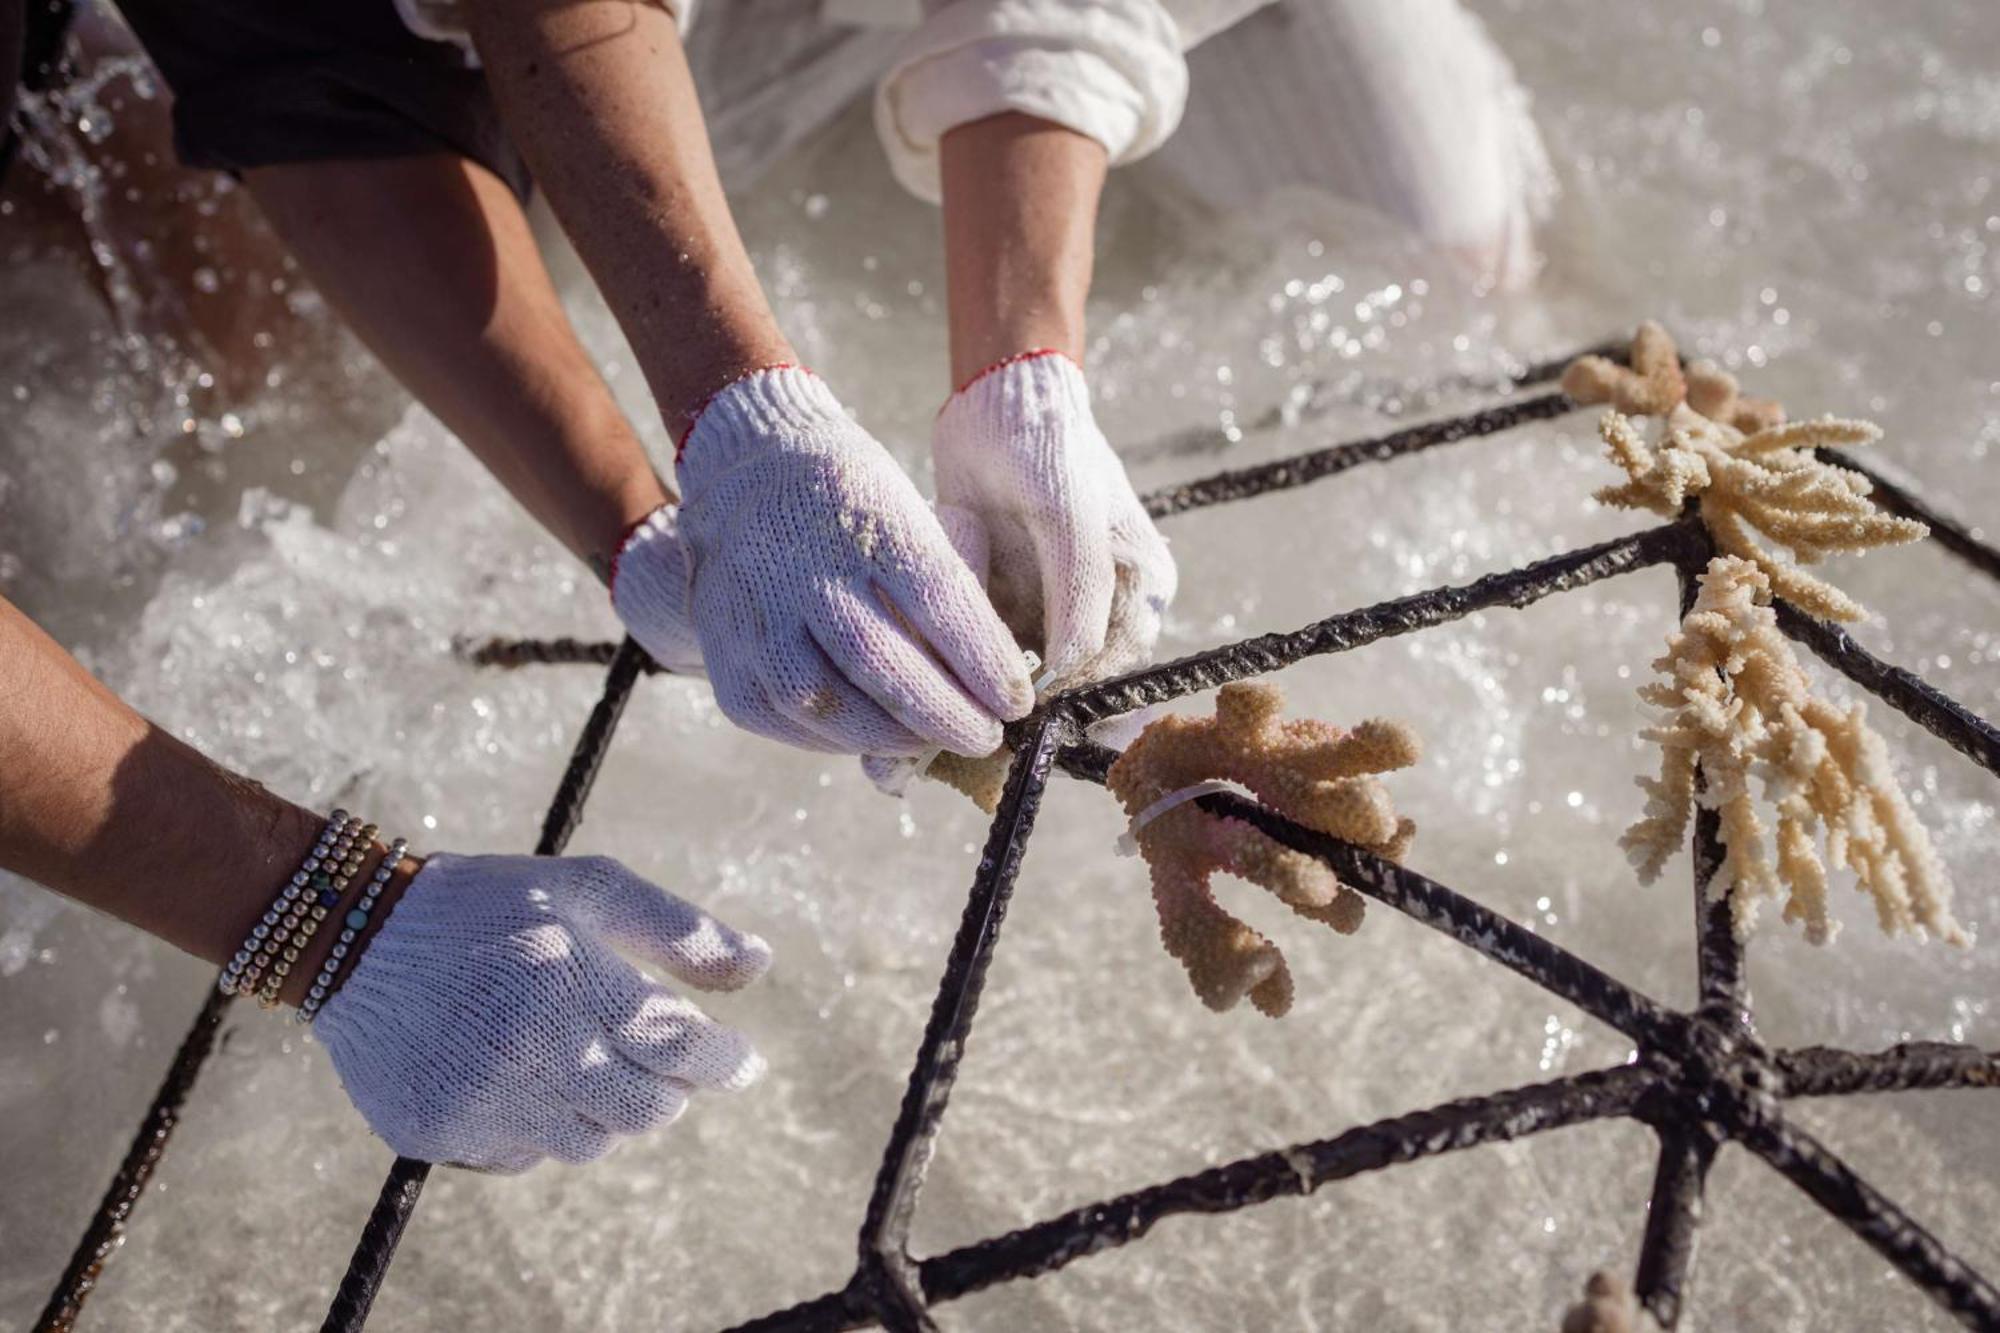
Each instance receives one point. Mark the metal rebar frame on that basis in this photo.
(1702, 1077)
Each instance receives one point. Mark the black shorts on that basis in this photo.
(265, 82)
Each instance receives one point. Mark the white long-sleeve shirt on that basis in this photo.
(1110, 69)
(1404, 106)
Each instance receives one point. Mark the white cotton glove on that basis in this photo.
(831, 609)
(649, 591)
(1075, 565)
(490, 1024)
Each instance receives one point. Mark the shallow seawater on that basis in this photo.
(1796, 190)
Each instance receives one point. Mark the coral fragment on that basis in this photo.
(981, 779)
(1654, 384)
(1608, 1306)
(1756, 490)
(1739, 706)
(1311, 772)
(1754, 479)
(1650, 386)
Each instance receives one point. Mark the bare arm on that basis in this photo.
(432, 262)
(871, 635)
(598, 95)
(102, 805)
(1075, 565)
(1020, 208)
(105, 807)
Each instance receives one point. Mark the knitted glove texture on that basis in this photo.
(490, 1024)
(830, 607)
(1075, 565)
(649, 591)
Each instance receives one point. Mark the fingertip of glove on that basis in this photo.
(749, 1071)
(983, 737)
(996, 680)
(891, 774)
(1010, 695)
(714, 957)
(751, 960)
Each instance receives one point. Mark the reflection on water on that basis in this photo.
(1796, 191)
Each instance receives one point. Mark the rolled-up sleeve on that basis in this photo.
(1110, 69)
(444, 21)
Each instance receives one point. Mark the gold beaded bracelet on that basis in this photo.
(239, 975)
(321, 866)
(356, 851)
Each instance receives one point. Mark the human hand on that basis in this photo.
(892, 774)
(1075, 565)
(649, 591)
(830, 607)
(490, 1023)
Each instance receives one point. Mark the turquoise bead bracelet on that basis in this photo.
(350, 850)
(352, 925)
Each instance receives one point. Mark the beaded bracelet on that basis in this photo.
(319, 869)
(239, 976)
(330, 894)
(266, 951)
(352, 925)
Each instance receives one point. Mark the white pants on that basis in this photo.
(1404, 106)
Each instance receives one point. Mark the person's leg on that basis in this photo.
(1405, 106)
(177, 257)
(431, 261)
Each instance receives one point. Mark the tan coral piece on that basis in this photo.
(1651, 386)
(1760, 492)
(1311, 772)
(1713, 392)
(1738, 704)
(1608, 1306)
(981, 779)
(1654, 384)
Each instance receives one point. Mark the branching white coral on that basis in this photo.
(1739, 706)
(1311, 772)
(1757, 490)
(1755, 479)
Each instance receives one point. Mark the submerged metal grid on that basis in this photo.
(1702, 1077)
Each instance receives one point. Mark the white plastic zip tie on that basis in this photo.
(1032, 659)
(1128, 841)
(897, 781)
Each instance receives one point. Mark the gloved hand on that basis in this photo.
(490, 1024)
(892, 774)
(830, 608)
(1076, 567)
(649, 591)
